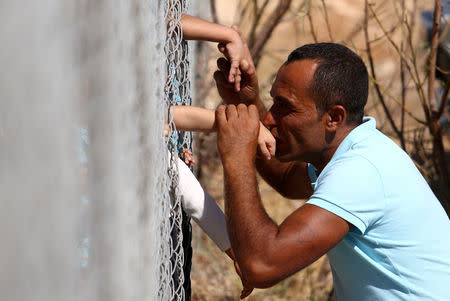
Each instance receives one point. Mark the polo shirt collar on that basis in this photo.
(357, 134)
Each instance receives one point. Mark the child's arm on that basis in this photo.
(188, 118)
(200, 206)
(193, 119)
(197, 29)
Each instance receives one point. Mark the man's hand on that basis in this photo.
(246, 289)
(237, 132)
(248, 93)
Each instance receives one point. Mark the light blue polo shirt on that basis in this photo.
(399, 247)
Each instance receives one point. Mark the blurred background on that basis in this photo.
(405, 45)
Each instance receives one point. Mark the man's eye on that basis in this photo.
(282, 105)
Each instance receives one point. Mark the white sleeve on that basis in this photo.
(200, 206)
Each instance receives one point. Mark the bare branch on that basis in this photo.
(242, 12)
(266, 31)
(413, 71)
(402, 79)
(404, 108)
(311, 24)
(214, 17)
(258, 14)
(433, 54)
(444, 100)
(372, 70)
(325, 11)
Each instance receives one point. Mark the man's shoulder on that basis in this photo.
(375, 151)
(354, 162)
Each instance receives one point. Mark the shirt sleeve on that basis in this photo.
(352, 189)
(213, 222)
(202, 208)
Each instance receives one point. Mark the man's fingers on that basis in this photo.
(242, 110)
(221, 47)
(249, 71)
(248, 56)
(221, 117)
(246, 291)
(253, 112)
(237, 268)
(220, 79)
(231, 112)
(223, 65)
(247, 68)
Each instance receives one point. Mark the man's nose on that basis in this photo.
(269, 121)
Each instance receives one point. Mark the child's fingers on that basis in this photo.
(272, 149)
(237, 81)
(232, 73)
(166, 129)
(264, 151)
(234, 70)
(272, 146)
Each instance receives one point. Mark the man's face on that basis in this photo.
(293, 118)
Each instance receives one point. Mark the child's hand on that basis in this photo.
(234, 51)
(266, 143)
(188, 158)
(166, 129)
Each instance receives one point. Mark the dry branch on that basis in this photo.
(266, 30)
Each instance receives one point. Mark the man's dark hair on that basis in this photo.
(340, 79)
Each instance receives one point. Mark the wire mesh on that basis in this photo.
(174, 283)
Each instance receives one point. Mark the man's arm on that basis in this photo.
(290, 179)
(266, 253)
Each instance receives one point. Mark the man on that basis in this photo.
(369, 209)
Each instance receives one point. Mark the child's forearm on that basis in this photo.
(198, 29)
(193, 119)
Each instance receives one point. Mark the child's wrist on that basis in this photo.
(232, 36)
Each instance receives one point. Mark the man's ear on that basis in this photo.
(335, 117)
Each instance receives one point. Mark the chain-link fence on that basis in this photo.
(176, 283)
